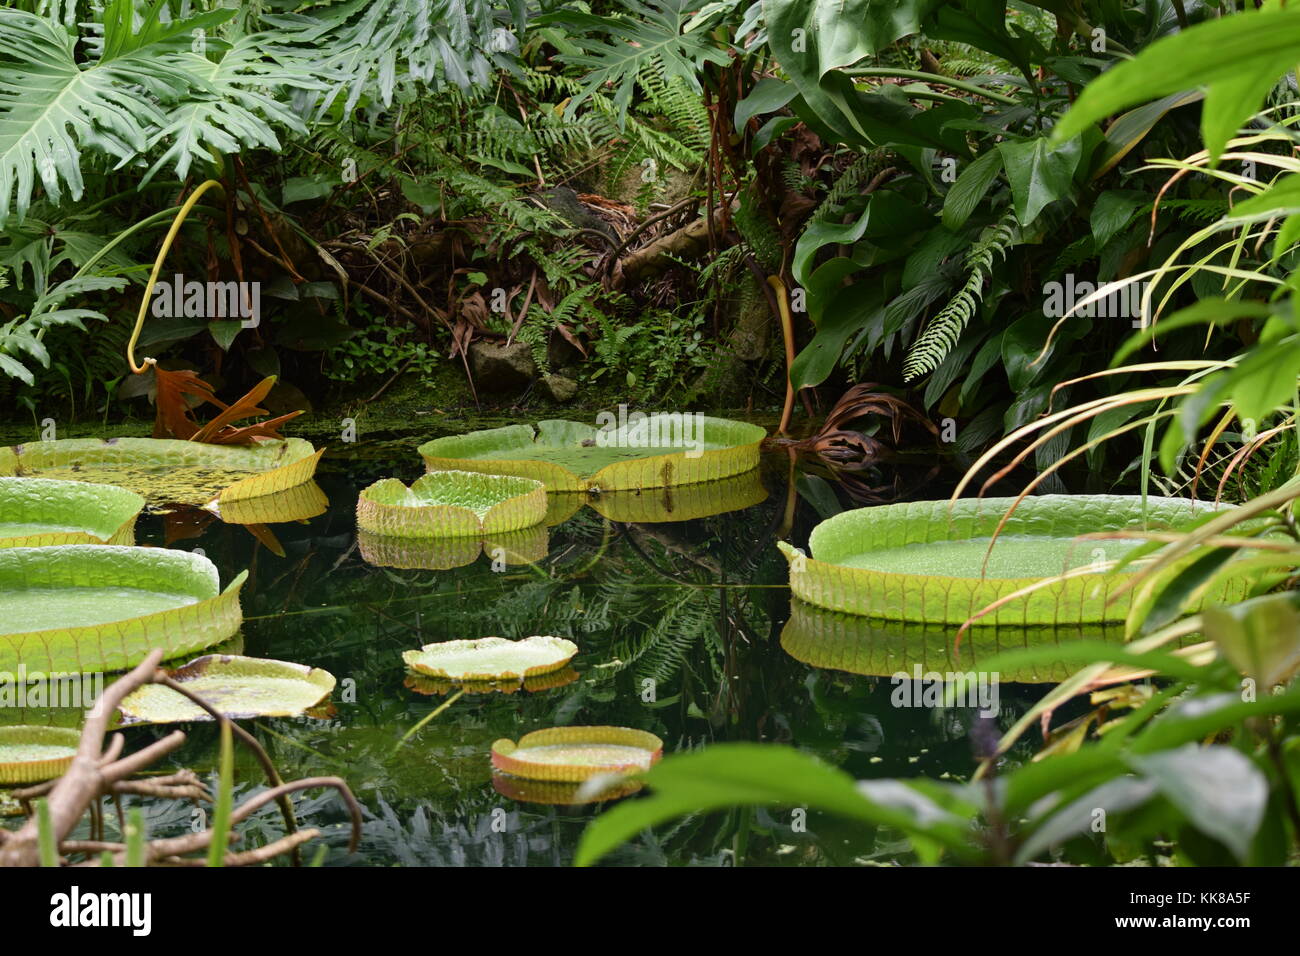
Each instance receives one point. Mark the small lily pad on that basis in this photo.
(491, 658)
(38, 512)
(445, 504)
(575, 754)
(240, 688)
(557, 793)
(654, 451)
(34, 754)
(431, 686)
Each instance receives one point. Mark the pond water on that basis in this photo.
(679, 626)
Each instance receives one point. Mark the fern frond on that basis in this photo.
(942, 332)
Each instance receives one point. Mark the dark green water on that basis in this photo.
(679, 626)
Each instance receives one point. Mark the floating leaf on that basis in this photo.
(35, 512)
(491, 658)
(451, 504)
(298, 503)
(926, 560)
(655, 505)
(557, 793)
(575, 754)
(167, 471)
(658, 451)
(33, 754)
(83, 608)
(240, 688)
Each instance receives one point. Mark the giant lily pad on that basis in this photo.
(36, 512)
(658, 452)
(35, 754)
(527, 546)
(868, 646)
(491, 658)
(81, 608)
(577, 753)
(168, 471)
(451, 504)
(925, 561)
(238, 687)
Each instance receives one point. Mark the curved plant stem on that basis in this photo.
(787, 332)
(157, 268)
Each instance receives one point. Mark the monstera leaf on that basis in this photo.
(38, 511)
(449, 504)
(931, 561)
(168, 471)
(658, 451)
(574, 754)
(88, 608)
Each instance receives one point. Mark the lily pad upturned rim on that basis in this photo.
(526, 546)
(271, 465)
(819, 578)
(424, 661)
(17, 772)
(560, 793)
(103, 513)
(536, 684)
(471, 452)
(158, 704)
(214, 615)
(504, 750)
(513, 503)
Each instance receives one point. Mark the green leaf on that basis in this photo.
(1261, 637)
(1229, 57)
(1220, 791)
(1039, 172)
(970, 188)
(849, 311)
(768, 95)
(745, 774)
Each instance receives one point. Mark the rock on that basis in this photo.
(498, 367)
(559, 387)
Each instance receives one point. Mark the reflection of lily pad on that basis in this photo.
(558, 793)
(527, 546)
(37, 512)
(864, 645)
(35, 754)
(925, 561)
(577, 753)
(298, 503)
(86, 608)
(653, 505)
(168, 471)
(446, 504)
(238, 687)
(438, 685)
(491, 658)
(661, 451)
